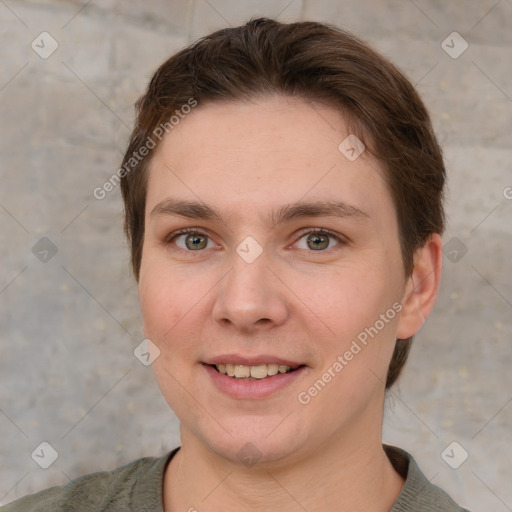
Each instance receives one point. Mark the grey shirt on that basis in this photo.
(137, 487)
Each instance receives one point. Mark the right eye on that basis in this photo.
(190, 239)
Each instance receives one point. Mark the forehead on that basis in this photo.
(265, 152)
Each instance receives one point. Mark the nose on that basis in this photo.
(251, 297)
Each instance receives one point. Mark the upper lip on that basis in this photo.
(238, 359)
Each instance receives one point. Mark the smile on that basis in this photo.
(253, 381)
(261, 371)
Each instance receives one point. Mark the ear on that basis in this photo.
(422, 287)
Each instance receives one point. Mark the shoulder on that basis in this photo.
(418, 493)
(137, 485)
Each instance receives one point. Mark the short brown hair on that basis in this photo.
(314, 61)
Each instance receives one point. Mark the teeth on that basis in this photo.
(261, 371)
(272, 369)
(242, 372)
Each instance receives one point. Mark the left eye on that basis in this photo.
(317, 240)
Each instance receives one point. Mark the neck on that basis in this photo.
(340, 475)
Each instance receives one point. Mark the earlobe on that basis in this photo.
(422, 287)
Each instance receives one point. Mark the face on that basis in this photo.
(268, 250)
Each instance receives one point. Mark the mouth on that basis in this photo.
(253, 378)
(253, 372)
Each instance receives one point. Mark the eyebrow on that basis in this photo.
(288, 212)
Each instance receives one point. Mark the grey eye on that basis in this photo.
(317, 241)
(196, 241)
(192, 241)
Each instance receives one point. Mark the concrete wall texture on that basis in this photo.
(69, 320)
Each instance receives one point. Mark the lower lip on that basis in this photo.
(253, 389)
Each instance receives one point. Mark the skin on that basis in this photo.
(246, 159)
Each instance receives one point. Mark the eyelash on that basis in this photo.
(306, 231)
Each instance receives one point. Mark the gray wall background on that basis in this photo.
(69, 321)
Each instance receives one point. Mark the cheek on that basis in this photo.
(167, 307)
(165, 300)
(359, 313)
(353, 299)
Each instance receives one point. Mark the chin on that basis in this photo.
(254, 440)
(259, 453)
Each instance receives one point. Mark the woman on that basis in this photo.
(283, 199)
